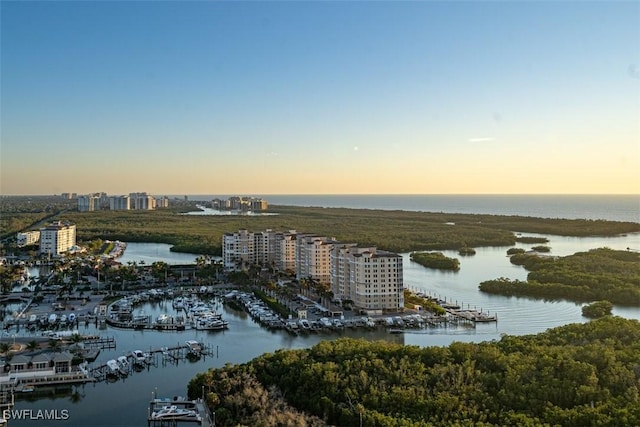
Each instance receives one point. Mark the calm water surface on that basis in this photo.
(572, 206)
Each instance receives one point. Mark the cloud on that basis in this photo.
(356, 148)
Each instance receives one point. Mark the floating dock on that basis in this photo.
(169, 412)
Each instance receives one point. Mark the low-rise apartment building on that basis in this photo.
(27, 238)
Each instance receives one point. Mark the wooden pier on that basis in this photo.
(161, 356)
(102, 343)
(146, 325)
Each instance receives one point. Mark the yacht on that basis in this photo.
(123, 364)
(113, 369)
(178, 303)
(194, 347)
(168, 412)
(140, 358)
(210, 324)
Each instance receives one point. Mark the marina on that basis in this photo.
(246, 337)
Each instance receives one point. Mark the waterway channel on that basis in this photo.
(125, 402)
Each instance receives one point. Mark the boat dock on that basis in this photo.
(102, 343)
(157, 357)
(169, 412)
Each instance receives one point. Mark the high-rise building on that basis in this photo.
(119, 203)
(57, 238)
(313, 257)
(142, 201)
(371, 278)
(238, 250)
(88, 203)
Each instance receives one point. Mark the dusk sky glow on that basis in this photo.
(320, 97)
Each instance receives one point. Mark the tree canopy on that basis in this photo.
(599, 274)
(575, 375)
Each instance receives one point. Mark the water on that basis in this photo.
(516, 316)
(148, 253)
(215, 212)
(609, 207)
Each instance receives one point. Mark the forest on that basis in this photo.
(575, 375)
(436, 260)
(598, 274)
(397, 231)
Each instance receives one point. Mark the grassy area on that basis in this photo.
(411, 300)
(274, 305)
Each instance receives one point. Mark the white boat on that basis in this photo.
(123, 364)
(141, 317)
(304, 324)
(168, 412)
(194, 347)
(53, 318)
(164, 319)
(72, 317)
(33, 318)
(140, 358)
(113, 367)
(211, 324)
(63, 319)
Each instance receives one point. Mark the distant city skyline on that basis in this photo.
(260, 98)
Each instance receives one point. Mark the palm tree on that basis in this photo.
(4, 348)
(76, 338)
(54, 345)
(33, 345)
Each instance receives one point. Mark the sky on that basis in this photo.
(320, 97)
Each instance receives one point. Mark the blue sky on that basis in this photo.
(320, 97)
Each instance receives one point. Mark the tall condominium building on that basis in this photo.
(93, 202)
(162, 202)
(313, 257)
(88, 203)
(142, 201)
(371, 278)
(57, 238)
(244, 248)
(27, 238)
(258, 204)
(285, 245)
(239, 203)
(238, 250)
(119, 203)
